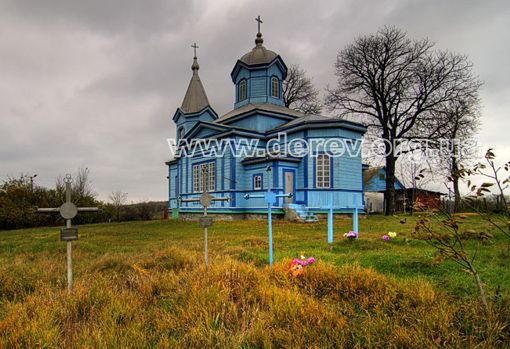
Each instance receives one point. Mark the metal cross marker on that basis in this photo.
(195, 49)
(259, 21)
(270, 199)
(68, 211)
(206, 221)
(330, 209)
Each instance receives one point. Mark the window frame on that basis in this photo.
(275, 87)
(243, 90)
(259, 187)
(202, 182)
(323, 167)
(211, 180)
(196, 179)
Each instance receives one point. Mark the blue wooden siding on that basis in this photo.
(234, 178)
(258, 85)
(378, 182)
(188, 121)
(260, 123)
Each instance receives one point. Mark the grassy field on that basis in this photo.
(144, 285)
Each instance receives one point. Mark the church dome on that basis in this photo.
(259, 54)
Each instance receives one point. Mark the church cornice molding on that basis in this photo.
(180, 112)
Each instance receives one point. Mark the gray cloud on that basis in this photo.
(95, 83)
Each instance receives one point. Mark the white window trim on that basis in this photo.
(212, 176)
(201, 181)
(323, 177)
(259, 186)
(273, 80)
(243, 90)
(196, 179)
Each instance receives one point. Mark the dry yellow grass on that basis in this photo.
(170, 300)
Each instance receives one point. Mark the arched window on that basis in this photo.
(242, 90)
(182, 133)
(274, 87)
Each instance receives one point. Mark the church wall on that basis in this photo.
(172, 174)
(205, 133)
(258, 87)
(319, 198)
(260, 123)
(348, 169)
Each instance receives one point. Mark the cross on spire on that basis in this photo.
(195, 49)
(259, 21)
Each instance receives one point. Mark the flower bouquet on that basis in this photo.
(390, 235)
(297, 266)
(351, 235)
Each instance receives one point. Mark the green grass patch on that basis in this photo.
(144, 284)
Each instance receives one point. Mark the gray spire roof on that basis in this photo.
(195, 99)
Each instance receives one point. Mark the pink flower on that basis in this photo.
(303, 262)
(296, 261)
(311, 260)
(386, 238)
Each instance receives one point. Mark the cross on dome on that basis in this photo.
(259, 41)
(195, 49)
(259, 21)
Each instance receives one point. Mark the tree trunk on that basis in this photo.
(480, 289)
(389, 194)
(456, 189)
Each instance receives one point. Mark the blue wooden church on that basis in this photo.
(261, 143)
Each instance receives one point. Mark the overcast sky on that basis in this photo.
(96, 83)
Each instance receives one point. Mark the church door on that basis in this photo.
(289, 186)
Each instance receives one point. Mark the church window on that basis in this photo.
(323, 171)
(274, 87)
(257, 182)
(242, 90)
(196, 179)
(204, 177)
(182, 133)
(212, 177)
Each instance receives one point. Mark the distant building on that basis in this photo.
(375, 187)
(260, 133)
(417, 199)
(405, 198)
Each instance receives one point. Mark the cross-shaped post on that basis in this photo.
(259, 21)
(330, 209)
(68, 211)
(195, 49)
(270, 199)
(206, 221)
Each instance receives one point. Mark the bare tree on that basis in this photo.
(300, 93)
(82, 186)
(460, 125)
(396, 85)
(82, 190)
(118, 199)
(415, 174)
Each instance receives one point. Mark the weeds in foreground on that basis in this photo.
(170, 300)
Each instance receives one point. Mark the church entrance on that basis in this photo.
(289, 186)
